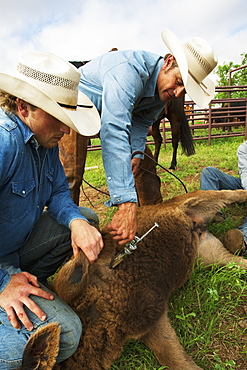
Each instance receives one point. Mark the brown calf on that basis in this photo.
(131, 301)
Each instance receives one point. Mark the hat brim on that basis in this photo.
(202, 93)
(84, 120)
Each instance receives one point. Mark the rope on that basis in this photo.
(137, 152)
(101, 191)
(165, 169)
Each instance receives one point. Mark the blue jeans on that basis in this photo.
(214, 179)
(46, 248)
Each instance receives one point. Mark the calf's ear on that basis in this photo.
(71, 280)
(42, 348)
(202, 210)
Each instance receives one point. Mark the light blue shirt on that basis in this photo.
(31, 177)
(122, 85)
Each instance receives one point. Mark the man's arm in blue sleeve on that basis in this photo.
(4, 279)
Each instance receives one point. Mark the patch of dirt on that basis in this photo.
(94, 199)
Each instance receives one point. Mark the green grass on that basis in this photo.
(221, 153)
(205, 315)
(208, 312)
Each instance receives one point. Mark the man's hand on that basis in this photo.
(87, 238)
(123, 225)
(16, 295)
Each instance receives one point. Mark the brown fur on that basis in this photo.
(234, 241)
(130, 301)
(147, 182)
(42, 348)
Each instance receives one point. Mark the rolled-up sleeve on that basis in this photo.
(119, 96)
(118, 83)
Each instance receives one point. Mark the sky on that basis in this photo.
(84, 29)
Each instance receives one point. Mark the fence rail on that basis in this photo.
(206, 124)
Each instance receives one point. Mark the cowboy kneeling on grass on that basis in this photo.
(39, 105)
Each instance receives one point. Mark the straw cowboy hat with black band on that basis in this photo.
(51, 84)
(195, 59)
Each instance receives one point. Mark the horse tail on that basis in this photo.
(186, 138)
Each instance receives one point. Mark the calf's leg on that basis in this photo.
(211, 250)
(163, 342)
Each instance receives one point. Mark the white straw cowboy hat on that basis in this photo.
(51, 83)
(196, 59)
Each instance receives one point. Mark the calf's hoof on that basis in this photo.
(234, 241)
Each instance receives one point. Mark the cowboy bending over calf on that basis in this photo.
(129, 89)
(39, 105)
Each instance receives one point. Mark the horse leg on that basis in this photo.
(72, 153)
(147, 182)
(157, 138)
(175, 139)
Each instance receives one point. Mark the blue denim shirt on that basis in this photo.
(122, 85)
(31, 177)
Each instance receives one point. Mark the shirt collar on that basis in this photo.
(25, 130)
(151, 86)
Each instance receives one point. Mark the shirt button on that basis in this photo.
(109, 177)
(23, 192)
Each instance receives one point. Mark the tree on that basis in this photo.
(239, 78)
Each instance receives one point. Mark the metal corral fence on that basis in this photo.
(223, 118)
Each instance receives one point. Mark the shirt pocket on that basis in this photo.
(19, 200)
